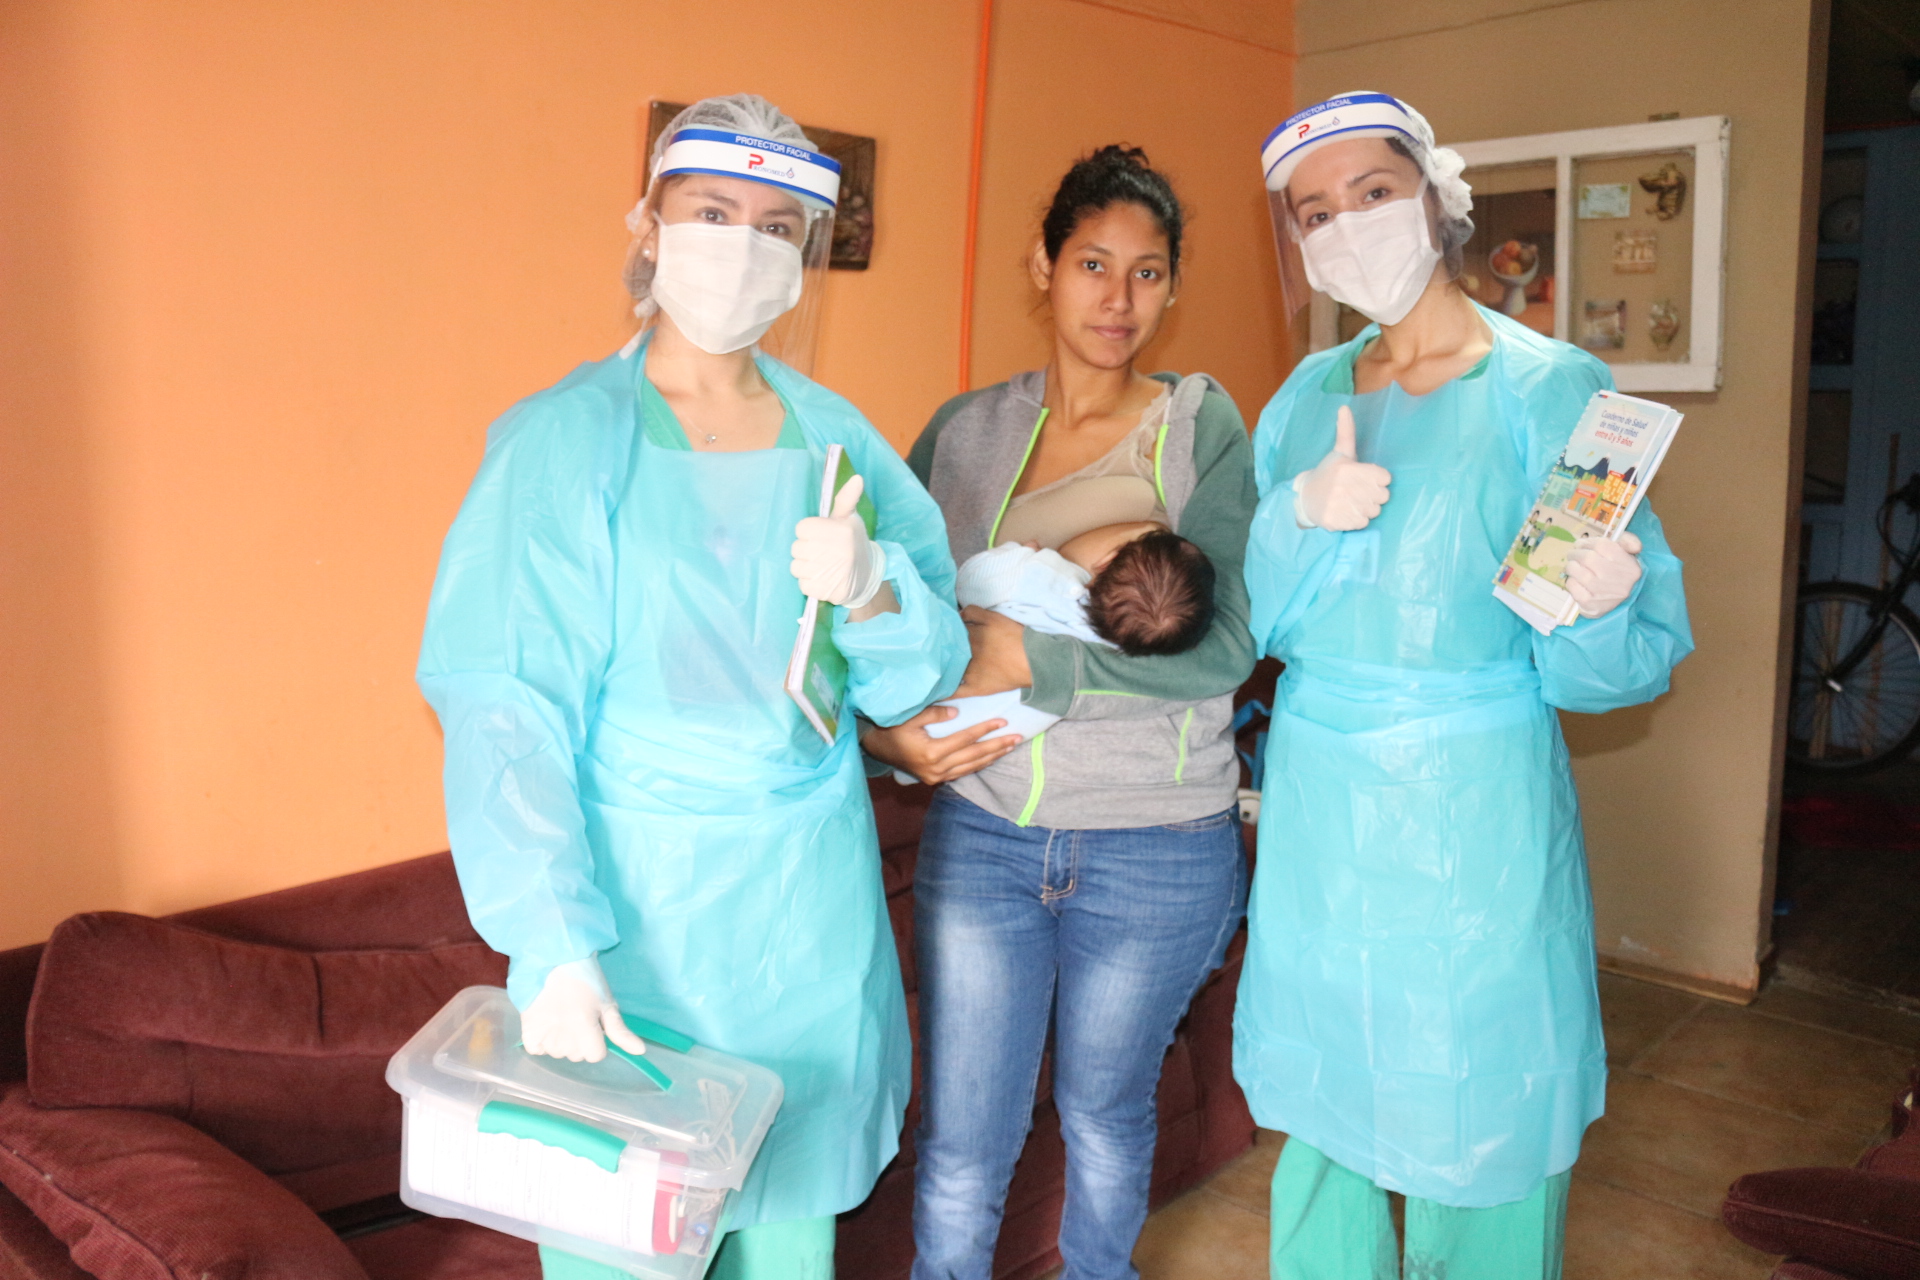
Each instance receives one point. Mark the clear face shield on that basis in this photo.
(1355, 214)
(731, 244)
(1287, 236)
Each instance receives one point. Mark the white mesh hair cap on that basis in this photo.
(1366, 114)
(1443, 167)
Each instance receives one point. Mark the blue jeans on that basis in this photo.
(1108, 932)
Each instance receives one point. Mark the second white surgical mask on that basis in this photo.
(1378, 262)
(724, 286)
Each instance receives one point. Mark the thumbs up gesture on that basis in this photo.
(1342, 493)
(833, 559)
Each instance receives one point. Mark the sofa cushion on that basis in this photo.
(139, 1196)
(1864, 1224)
(401, 906)
(28, 1251)
(278, 1053)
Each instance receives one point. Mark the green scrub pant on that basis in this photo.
(1329, 1223)
(798, 1250)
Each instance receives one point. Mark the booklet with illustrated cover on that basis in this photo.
(1591, 492)
(817, 671)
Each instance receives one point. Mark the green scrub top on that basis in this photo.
(663, 429)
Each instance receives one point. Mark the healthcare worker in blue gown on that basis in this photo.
(641, 817)
(1419, 1011)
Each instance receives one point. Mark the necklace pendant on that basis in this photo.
(711, 438)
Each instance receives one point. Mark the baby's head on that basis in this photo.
(1152, 590)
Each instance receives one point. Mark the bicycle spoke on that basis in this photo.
(1877, 704)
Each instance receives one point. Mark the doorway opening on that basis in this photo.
(1847, 911)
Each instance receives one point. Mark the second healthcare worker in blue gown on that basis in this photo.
(641, 818)
(1419, 1010)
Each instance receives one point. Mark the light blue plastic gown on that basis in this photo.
(625, 774)
(1419, 999)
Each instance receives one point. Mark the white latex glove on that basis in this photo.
(1601, 573)
(575, 1015)
(1340, 494)
(833, 559)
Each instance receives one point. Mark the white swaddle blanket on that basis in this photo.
(1039, 589)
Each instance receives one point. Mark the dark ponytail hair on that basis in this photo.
(1113, 175)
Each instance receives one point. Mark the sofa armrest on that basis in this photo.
(140, 1196)
(1858, 1223)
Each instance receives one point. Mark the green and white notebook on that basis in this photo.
(1591, 492)
(817, 671)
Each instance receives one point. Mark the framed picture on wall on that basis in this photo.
(852, 221)
(1611, 239)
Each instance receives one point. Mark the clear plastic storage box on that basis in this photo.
(593, 1158)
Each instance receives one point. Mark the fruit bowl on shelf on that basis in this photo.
(1514, 264)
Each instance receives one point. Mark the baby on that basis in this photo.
(1136, 587)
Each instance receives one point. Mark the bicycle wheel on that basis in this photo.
(1871, 718)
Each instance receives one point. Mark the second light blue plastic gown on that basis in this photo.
(625, 775)
(1419, 1000)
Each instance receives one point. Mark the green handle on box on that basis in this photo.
(564, 1132)
(665, 1036)
(647, 1069)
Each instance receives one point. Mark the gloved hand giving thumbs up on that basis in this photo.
(1341, 494)
(833, 559)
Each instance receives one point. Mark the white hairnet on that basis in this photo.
(1443, 167)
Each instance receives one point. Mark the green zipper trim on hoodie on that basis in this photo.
(1007, 501)
(1159, 453)
(1180, 766)
(1039, 783)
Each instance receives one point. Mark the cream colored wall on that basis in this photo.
(267, 272)
(1679, 795)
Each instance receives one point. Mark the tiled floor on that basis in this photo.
(1700, 1093)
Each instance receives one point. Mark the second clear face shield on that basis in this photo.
(732, 242)
(1368, 239)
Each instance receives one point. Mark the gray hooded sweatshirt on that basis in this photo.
(1145, 740)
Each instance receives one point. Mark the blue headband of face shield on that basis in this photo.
(1352, 115)
(814, 177)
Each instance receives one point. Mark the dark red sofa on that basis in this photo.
(1861, 1223)
(203, 1095)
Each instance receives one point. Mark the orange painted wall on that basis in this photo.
(1199, 102)
(266, 273)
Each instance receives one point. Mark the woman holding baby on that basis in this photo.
(1090, 874)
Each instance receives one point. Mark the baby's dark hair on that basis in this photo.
(1112, 175)
(1154, 596)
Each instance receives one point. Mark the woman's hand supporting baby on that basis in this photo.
(909, 748)
(999, 663)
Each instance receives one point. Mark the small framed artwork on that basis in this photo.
(1611, 239)
(852, 220)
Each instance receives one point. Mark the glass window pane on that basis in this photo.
(1836, 290)
(1632, 284)
(1509, 262)
(1829, 421)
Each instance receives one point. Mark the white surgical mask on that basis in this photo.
(724, 286)
(1378, 262)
